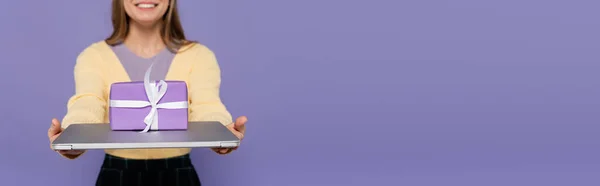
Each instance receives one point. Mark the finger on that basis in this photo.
(54, 128)
(70, 152)
(231, 126)
(240, 123)
(235, 132)
(222, 150)
(53, 137)
(239, 135)
(225, 151)
(218, 150)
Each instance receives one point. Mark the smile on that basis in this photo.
(146, 5)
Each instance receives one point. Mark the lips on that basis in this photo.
(146, 4)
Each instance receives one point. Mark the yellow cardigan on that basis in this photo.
(98, 67)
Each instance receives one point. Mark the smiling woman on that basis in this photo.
(159, 15)
(146, 32)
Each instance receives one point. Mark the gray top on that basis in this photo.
(136, 66)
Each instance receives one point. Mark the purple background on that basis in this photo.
(344, 92)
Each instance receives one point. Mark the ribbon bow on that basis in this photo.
(154, 92)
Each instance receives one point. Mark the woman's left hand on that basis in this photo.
(238, 128)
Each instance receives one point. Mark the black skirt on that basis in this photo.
(176, 171)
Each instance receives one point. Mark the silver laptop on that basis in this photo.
(100, 136)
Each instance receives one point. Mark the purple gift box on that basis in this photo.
(131, 109)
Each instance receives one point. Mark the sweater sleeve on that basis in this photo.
(204, 85)
(88, 104)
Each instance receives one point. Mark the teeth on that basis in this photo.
(146, 5)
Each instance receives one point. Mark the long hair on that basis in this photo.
(171, 32)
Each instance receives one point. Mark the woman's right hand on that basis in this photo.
(53, 132)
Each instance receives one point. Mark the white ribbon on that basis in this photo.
(155, 92)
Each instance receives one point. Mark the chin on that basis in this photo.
(146, 22)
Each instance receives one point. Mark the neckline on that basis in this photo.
(105, 47)
(115, 59)
(141, 57)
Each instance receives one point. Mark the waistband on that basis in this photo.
(114, 162)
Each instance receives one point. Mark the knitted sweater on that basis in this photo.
(97, 67)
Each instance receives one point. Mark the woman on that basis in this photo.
(146, 32)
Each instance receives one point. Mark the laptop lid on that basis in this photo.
(100, 136)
